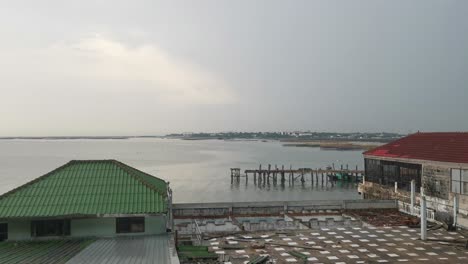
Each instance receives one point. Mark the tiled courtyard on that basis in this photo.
(346, 245)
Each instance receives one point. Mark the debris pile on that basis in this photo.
(384, 217)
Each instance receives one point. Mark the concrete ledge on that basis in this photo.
(279, 207)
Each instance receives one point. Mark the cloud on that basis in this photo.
(145, 68)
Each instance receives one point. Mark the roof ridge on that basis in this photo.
(129, 169)
(27, 184)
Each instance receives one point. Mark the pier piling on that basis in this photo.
(270, 175)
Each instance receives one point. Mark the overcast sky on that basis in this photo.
(95, 67)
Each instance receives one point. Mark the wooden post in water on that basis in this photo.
(282, 175)
(269, 170)
(357, 174)
(260, 174)
(316, 177)
(312, 177)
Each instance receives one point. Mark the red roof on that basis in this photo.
(437, 146)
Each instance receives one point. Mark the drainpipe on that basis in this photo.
(170, 212)
(455, 211)
(413, 189)
(423, 218)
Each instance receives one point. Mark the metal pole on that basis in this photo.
(413, 195)
(423, 219)
(455, 210)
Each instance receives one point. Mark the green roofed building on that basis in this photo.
(95, 198)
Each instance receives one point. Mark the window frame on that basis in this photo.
(39, 228)
(4, 234)
(459, 182)
(127, 225)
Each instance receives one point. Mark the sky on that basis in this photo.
(95, 67)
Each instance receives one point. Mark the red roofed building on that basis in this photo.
(441, 147)
(437, 162)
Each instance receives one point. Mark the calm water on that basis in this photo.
(198, 171)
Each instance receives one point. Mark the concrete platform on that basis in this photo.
(347, 245)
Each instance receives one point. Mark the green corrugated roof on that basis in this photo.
(87, 188)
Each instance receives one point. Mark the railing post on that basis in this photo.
(455, 210)
(423, 219)
(413, 189)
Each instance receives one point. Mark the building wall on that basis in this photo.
(436, 182)
(105, 227)
(19, 230)
(100, 227)
(89, 227)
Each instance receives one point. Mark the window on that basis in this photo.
(387, 173)
(459, 181)
(3, 232)
(50, 228)
(130, 225)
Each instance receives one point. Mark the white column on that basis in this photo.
(396, 187)
(413, 190)
(422, 191)
(423, 219)
(455, 210)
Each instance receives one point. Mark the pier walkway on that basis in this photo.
(320, 176)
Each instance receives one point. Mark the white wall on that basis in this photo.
(89, 227)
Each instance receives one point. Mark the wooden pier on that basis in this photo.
(319, 176)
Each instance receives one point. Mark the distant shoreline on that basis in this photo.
(330, 143)
(335, 145)
(77, 137)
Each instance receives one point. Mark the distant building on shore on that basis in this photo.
(96, 198)
(438, 164)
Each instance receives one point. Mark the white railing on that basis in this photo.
(406, 208)
(197, 232)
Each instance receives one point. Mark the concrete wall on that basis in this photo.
(99, 227)
(436, 181)
(19, 230)
(274, 208)
(89, 227)
(155, 225)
